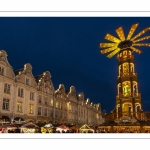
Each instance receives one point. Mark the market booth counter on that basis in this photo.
(86, 129)
(48, 128)
(29, 128)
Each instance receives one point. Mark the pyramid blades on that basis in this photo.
(141, 44)
(112, 38)
(113, 53)
(108, 49)
(139, 34)
(136, 50)
(120, 33)
(132, 30)
(103, 45)
(142, 39)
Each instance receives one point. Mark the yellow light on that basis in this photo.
(112, 38)
(133, 28)
(113, 53)
(120, 33)
(141, 39)
(139, 34)
(104, 45)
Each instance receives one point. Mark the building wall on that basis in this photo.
(79, 111)
(40, 102)
(45, 100)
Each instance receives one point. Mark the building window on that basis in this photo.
(45, 112)
(7, 88)
(27, 81)
(39, 111)
(1, 71)
(51, 102)
(40, 99)
(31, 96)
(19, 106)
(60, 106)
(51, 113)
(6, 104)
(69, 107)
(61, 114)
(56, 104)
(56, 113)
(46, 103)
(20, 92)
(30, 108)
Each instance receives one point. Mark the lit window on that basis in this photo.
(56, 104)
(6, 104)
(30, 108)
(60, 106)
(20, 92)
(69, 107)
(31, 96)
(27, 81)
(39, 111)
(7, 88)
(19, 106)
(51, 102)
(1, 71)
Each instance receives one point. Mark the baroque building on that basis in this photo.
(72, 108)
(24, 98)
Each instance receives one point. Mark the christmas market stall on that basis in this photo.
(8, 128)
(86, 129)
(48, 128)
(75, 128)
(29, 127)
(62, 129)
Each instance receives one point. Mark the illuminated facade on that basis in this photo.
(25, 98)
(128, 100)
(45, 98)
(74, 109)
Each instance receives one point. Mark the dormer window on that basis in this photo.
(27, 81)
(1, 71)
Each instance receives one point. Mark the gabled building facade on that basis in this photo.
(24, 98)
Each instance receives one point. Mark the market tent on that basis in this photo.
(49, 125)
(86, 129)
(76, 128)
(48, 128)
(29, 127)
(62, 128)
(8, 127)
